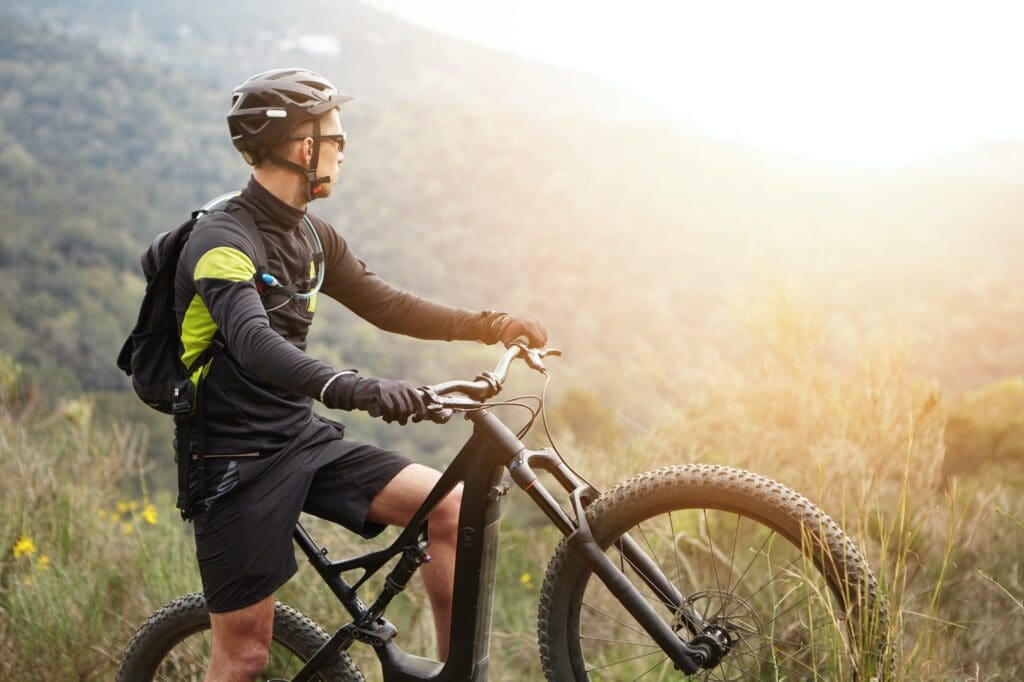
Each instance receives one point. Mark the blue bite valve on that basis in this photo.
(270, 280)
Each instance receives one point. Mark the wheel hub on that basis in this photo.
(731, 629)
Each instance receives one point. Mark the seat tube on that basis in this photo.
(477, 554)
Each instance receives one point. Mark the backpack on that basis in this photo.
(150, 354)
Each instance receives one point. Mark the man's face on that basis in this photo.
(331, 156)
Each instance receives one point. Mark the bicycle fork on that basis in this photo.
(689, 657)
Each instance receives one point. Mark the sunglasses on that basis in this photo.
(337, 138)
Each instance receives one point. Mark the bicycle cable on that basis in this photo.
(547, 431)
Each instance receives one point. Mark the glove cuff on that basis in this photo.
(490, 325)
(338, 391)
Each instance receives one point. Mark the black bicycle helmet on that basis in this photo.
(268, 105)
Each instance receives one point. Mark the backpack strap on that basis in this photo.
(193, 458)
(248, 225)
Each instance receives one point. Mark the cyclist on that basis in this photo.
(258, 454)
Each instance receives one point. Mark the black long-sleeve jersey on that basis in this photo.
(258, 393)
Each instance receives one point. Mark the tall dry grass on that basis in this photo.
(85, 555)
(846, 419)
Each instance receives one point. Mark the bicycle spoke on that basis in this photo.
(772, 579)
(675, 551)
(732, 588)
(726, 662)
(668, 599)
(610, 617)
(643, 534)
(776, 665)
(711, 549)
(804, 646)
(625, 660)
(659, 663)
(752, 560)
(619, 641)
(732, 554)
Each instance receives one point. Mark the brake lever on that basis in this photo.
(436, 412)
(440, 409)
(534, 357)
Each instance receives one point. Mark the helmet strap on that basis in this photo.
(314, 184)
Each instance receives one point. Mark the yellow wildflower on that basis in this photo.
(28, 581)
(102, 514)
(133, 505)
(24, 547)
(526, 580)
(122, 507)
(127, 528)
(43, 563)
(149, 513)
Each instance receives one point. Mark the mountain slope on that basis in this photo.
(369, 53)
(633, 238)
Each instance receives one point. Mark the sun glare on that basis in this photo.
(876, 83)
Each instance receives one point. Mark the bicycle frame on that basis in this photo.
(480, 465)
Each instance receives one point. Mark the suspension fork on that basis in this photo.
(686, 657)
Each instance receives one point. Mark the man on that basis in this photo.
(246, 279)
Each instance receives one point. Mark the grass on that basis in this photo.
(85, 556)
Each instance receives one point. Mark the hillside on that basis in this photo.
(646, 247)
(378, 57)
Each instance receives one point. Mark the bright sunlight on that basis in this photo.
(874, 83)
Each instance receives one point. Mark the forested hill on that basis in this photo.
(641, 244)
(374, 55)
(95, 154)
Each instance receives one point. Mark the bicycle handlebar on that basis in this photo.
(445, 398)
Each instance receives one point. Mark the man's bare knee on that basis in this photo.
(445, 518)
(241, 640)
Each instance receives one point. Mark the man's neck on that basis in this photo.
(283, 184)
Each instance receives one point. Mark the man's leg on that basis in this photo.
(241, 640)
(394, 505)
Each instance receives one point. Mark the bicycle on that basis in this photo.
(776, 589)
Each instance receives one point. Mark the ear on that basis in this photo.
(307, 151)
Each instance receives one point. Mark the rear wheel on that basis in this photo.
(174, 644)
(772, 580)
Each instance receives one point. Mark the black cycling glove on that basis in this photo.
(507, 328)
(392, 400)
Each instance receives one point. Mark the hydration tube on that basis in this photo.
(218, 203)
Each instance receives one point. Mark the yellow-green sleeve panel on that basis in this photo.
(224, 262)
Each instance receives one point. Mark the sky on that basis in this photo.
(871, 83)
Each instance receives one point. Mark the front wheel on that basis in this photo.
(174, 644)
(776, 584)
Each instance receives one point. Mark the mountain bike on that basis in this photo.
(692, 570)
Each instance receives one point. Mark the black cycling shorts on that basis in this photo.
(244, 530)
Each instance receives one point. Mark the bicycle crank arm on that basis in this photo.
(686, 657)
